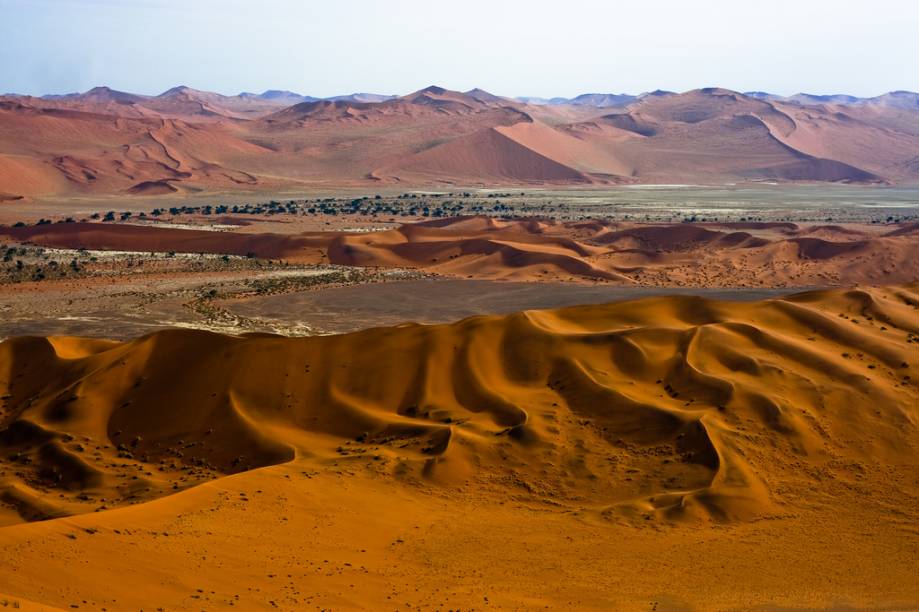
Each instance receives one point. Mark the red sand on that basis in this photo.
(187, 141)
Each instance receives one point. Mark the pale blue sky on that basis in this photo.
(537, 48)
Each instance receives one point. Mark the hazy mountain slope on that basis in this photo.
(107, 142)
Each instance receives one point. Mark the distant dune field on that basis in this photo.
(187, 142)
(664, 254)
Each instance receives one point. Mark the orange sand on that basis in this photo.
(668, 452)
(704, 254)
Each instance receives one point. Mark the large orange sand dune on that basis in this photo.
(668, 412)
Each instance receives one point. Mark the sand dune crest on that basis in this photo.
(678, 408)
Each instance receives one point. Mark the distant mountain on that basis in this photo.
(894, 99)
(368, 98)
(279, 96)
(447, 99)
(248, 103)
(432, 100)
(657, 93)
(186, 101)
(185, 90)
(186, 140)
(541, 101)
(483, 96)
(906, 100)
(598, 100)
(603, 100)
(68, 96)
(805, 99)
(100, 95)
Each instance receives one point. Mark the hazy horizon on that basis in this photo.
(402, 93)
(510, 49)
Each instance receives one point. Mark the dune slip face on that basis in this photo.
(672, 409)
(705, 254)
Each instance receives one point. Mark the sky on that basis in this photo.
(512, 48)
